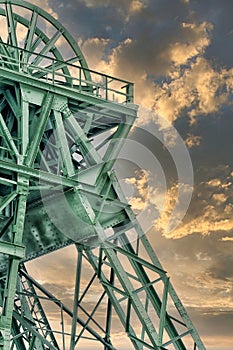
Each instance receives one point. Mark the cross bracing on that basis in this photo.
(58, 189)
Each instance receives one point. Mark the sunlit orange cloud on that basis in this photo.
(146, 194)
(211, 220)
(193, 141)
(199, 39)
(196, 87)
(94, 52)
(136, 6)
(227, 239)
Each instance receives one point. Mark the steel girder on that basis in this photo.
(58, 188)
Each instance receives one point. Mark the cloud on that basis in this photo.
(193, 84)
(138, 63)
(55, 262)
(166, 56)
(220, 198)
(145, 194)
(193, 141)
(131, 6)
(210, 210)
(45, 5)
(227, 239)
(219, 14)
(207, 297)
(222, 271)
(168, 216)
(136, 6)
(198, 39)
(164, 53)
(102, 19)
(94, 51)
(144, 48)
(198, 90)
(198, 265)
(123, 67)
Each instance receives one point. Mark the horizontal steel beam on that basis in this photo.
(12, 249)
(10, 76)
(38, 174)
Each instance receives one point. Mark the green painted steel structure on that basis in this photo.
(58, 188)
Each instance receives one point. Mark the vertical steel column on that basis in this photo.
(12, 275)
(76, 296)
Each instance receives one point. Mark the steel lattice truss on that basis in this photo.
(58, 188)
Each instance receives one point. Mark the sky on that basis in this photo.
(179, 55)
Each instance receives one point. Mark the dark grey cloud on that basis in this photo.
(220, 323)
(191, 248)
(220, 14)
(217, 142)
(215, 131)
(87, 22)
(222, 268)
(152, 29)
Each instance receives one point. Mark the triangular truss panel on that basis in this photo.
(62, 127)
